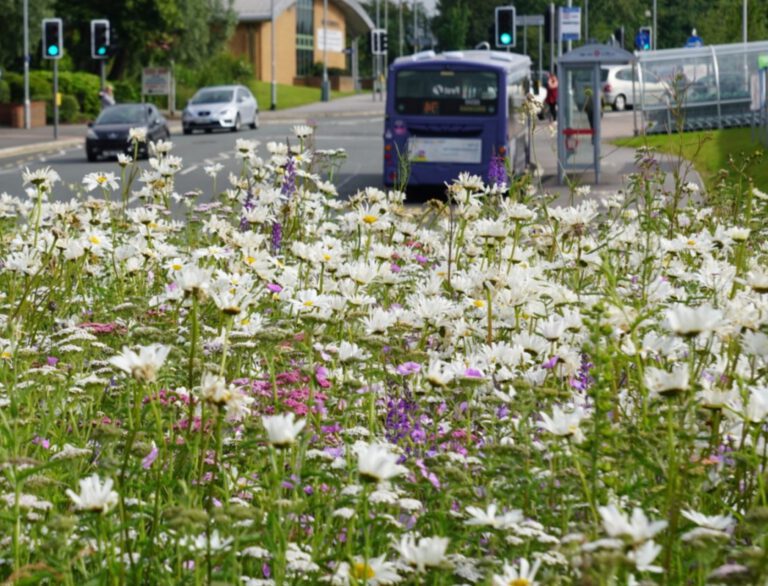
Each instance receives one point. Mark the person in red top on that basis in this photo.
(552, 86)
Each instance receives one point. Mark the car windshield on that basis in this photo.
(212, 97)
(123, 114)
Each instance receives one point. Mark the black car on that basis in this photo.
(108, 135)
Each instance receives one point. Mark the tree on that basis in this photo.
(148, 32)
(12, 39)
(452, 27)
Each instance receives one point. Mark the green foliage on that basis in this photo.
(12, 38)
(69, 111)
(711, 152)
(149, 33)
(127, 91)
(5, 92)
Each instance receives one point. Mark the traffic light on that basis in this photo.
(53, 47)
(379, 41)
(644, 38)
(505, 26)
(99, 39)
(618, 34)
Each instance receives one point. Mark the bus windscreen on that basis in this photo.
(447, 92)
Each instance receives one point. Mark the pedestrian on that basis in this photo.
(552, 86)
(106, 97)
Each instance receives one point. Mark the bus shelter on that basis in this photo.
(579, 106)
(698, 88)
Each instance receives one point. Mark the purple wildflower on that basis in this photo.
(289, 179)
(408, 368)
(150, 458)
(497, 173)
(277, 237)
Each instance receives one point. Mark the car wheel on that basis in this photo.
(208, 130)
(187, 130)
(167, 134)
(92, 156)
(255, 124)
(620, 103)
(236, 127)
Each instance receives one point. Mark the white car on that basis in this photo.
(616, 81)
(224, 106)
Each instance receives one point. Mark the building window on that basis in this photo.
(305, 37)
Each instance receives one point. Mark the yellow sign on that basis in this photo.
(58, 98)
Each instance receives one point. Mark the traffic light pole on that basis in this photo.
(27, 113)
(102, 75)
(55, 99)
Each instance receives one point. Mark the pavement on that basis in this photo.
(617, 163)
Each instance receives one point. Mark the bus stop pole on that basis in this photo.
(541, 54)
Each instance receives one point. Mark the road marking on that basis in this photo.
(189, 169)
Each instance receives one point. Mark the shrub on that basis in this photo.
(69, 110)
(5, 92)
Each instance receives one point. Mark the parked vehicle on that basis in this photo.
(107, 136)
(617, 87)
(220, 107)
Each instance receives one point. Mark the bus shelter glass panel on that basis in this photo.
(700, 88)
(578, 117)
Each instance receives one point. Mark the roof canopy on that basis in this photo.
(358, 21)
(596, 53)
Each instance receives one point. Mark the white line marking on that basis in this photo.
(189, 169)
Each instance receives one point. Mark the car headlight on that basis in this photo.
(91, 134)
(227, 113)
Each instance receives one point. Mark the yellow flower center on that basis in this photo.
(369, 218)
(101, 179)
(362, 571)
(309, 303)
(520, 582)
(326, 257)
(691, 243)
(479, 303)
(94, 239)
(245, 322)
(176, 266)
(5, 355)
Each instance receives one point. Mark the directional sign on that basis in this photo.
(530, 20)
(570, 23)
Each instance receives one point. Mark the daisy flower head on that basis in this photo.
(689, 322)
(94, 496)
(282, 430)
(42, 178)
(138, 134)
(520, 574)
(142, 366)
(99, 179)
(377, 463)
(302, 131)
(372, 572)
(429, 552)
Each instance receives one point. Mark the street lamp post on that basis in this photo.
(27, 113)
(326, 91)
(744, 21)
(273, 105)
(655, 33)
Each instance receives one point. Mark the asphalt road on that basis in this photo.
(360, 136)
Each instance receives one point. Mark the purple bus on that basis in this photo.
(454, 112)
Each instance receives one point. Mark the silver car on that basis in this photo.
(617, 87)
(223, 106)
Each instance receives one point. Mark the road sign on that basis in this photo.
(570, 23)
(334, 37)
(694, 41)
(530, 20)
(156, 81)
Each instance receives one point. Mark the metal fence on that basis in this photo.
(698, 88)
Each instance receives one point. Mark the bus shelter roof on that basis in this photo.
(596, 53)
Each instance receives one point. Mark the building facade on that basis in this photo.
(300, 35)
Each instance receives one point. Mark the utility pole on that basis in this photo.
(400, 31)
(326, 91)
(744, 11)
(415, 27)
(273, 105)
(27, 113)
(655, 33)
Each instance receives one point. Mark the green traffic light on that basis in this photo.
(53, 50)
(101, 51)
(505, 38)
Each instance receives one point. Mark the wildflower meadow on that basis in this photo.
(273, 385)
